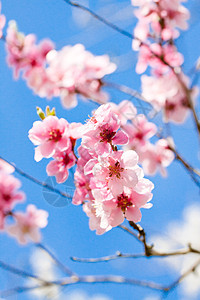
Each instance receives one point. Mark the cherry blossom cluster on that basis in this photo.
(109, 183)
(154, 34)
(55, 138)
(153, 157)
(51, 73)
(26, 225)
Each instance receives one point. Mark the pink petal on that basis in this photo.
(120, 138)
(133, 214)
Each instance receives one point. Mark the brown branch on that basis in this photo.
(184, 162)
(190, 102)
(120, 255)
(126, 229)
(107, 258)
(183, 276)
(142, 238)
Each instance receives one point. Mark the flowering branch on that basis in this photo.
(35, 180)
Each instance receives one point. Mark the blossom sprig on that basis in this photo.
(55, 138)
(167, 89)
(66, 73)
(109, 182)
(26, 226)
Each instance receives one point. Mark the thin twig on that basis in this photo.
(35, 180)
(60, 265)
(19, 272)
(194, 173)
(142, 238)
(126, 229)
(180, 279)
(107, 258)
(120, 255)
(125, 89)
(101, 19)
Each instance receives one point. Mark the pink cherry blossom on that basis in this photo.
(128, 204)
(49, 135)
(117, 170)
(106, 212)
(125, 110)
(23, 53)
(139, 132)
(157, 56)
(73, 70)
(165, 92)
(156, 157)
(162, 15)
(63, 160)
(9, 194)
(102, 131)
(28, 224)
(97, 217)
(40, 83)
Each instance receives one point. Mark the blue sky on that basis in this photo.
(67, 233)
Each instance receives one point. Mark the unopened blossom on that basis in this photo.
(2, 22)
(102, 131)
(49, 135)
(156, 157)
(23, 54)
(9, 193)
(139, 132)
(63, 160)
(76, 71)
(116, 171)
(27, 225)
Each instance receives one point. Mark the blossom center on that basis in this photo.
(107, 135)
(55, 135)
(6, 197)
(66, 159)
(123, 202)
(115, 170)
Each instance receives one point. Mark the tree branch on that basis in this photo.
(101, 19)
(35, 180)
(120, 255)
(64, 268)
